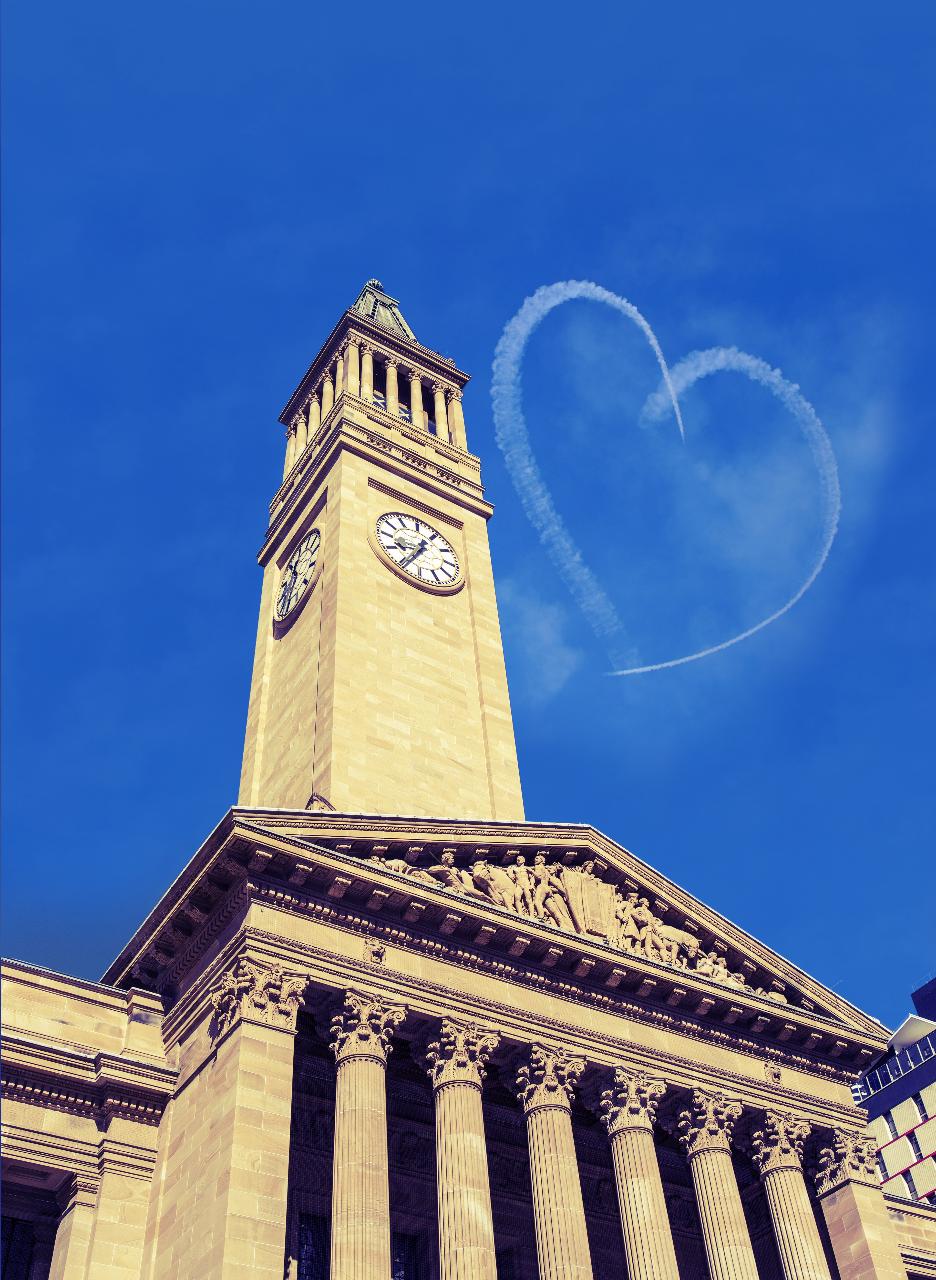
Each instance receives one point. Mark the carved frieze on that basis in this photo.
(779, 1143)
(364, 1027)
(255, 992)
(706, 1124)
(631, 1102)
(576, 900)
(849, 1157)
(460, 1054)
(549, 1078)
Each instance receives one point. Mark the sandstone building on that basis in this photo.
(380, 1026)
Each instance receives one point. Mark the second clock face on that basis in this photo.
(298, 574)
(417, 549)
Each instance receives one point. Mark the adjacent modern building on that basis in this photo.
(382, 1026)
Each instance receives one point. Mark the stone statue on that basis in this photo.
(549, 902)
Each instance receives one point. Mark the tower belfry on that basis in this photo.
(379, 683)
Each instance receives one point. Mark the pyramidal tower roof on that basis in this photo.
(382, 309)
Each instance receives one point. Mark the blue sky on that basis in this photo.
(194, 193)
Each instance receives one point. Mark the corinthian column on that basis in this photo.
(360, 1236)
(546, 1087)
(367, 372)
(705, 1132)
(328, 395)
(456, 419)
(393, 394)
(416, 405)
(777, 1149)
(441, 418)
(314, 417)
(466, 1226)
(629, 1109)
(353, 366)
(860, 1229)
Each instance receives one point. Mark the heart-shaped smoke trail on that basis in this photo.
(514, 441)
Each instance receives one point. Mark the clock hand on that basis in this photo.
(413, 555)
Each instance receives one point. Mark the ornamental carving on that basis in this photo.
(460, 1054)
(779, 1144)
(364, 1027)
(706, 1124)
(548, 1079)
(631, 1102)
(258, 993)
(850, 1157)
(576, 900)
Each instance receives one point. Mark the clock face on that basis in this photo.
(298, 574)
(417, 549)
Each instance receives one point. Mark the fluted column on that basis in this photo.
(360, 1236)
(629, 1109)
(290, 448)
(861, 1230)
(777, 1149)
(314, 416)
(546, 1087)
(367, 372)
(466, 1225)
(393, 391)
(416, 409)
(353, 368)
(705, 1132)
(441, 418)
(456, 420)
(328, 395)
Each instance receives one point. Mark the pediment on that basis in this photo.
(567, 888)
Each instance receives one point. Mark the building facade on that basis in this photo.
(380, 1025)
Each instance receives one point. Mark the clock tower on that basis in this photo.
(379, 683)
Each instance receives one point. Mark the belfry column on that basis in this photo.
(290, 449)
(466, 1225)
(629, 1109)
(393, 391)
(360, 1229)
(367, 371)
(328, 395)
(314, 416)
(416, 409)
(777, 1149)
(339, 374)
(353, 367)
(456, 420)
(441, 418)
(705, 1132)
(546, 1087)
(860, 1230)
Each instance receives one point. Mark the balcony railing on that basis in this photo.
(894, 1067)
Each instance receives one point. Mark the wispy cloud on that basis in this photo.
(536, 628)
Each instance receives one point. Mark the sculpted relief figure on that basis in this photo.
(577, 900)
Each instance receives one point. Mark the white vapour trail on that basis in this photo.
(700, 364)
(514, 441)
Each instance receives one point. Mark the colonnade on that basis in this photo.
(352, 369)
(546, 1083)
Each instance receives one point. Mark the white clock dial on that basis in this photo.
(298, 574)
(417, 549)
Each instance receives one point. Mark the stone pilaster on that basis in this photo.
(861, 1233)
(546, 1087)
(705, 1132)
(777, 1149)
(393, 388)
(456, 419)
(367, 371)
(629, 1109)
(466, 1225)
(416, 408)
(441, 417)
(360, 1236)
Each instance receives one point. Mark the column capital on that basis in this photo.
(364, 1027)
(391, 362)
(548, 1079)
(254, 992)
(706, 1124)
(460, 1054)
(367, 348)
(313, 397)
(631, 1102)
(439, 388)
(849, 1157)
(779, 1143)
(453, 393)
(414, 375)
